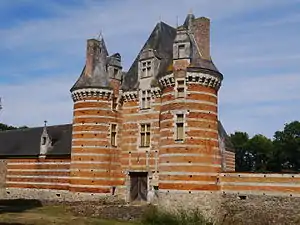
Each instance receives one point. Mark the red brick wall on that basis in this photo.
(38, 173)
(134, 157)
(260, 184)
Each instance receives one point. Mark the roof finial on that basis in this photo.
(191, 11)
(177, 18)
(160, 18)
(45, 123)
(100, 37)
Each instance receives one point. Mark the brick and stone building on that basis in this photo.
(150, 131)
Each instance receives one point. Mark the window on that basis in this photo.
(113, 135)
(179, 127)
(44, 140)
(115, 72)
(146, 69)
(145, 99)
(145, 135)
(180, 88)
(181, 51)
(114, 103)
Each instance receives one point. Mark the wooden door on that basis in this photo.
(138, 186)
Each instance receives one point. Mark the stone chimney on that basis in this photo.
(201, 31)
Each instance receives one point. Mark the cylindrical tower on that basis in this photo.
(189, 153)
(94, 157)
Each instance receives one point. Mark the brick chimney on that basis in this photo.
(93, 51)
(201, 31)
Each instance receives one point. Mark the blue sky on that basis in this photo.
(255, 44)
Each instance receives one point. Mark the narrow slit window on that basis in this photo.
(145, 135)
(180, 88)
(114, 103)
(113, 135)
(179, 127)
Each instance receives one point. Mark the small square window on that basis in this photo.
(180, 89)
(146, 68)
(179, 127)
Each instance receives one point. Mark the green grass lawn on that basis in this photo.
(53, 215)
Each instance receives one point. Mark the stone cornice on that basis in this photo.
(155, 92)
(167, 80)
(133, 95)
(81, 94)
(204, 79)
(130, 96)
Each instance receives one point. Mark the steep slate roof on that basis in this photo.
(161, 41)
(222, 133)
(26, 142)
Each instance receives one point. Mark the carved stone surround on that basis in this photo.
(206, 80)
(81, 94)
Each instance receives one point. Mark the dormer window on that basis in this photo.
(181, 51)
(115, 72)
(146, 67)
(44, 140)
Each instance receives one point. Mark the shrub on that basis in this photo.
(155, 217)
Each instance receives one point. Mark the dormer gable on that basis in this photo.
(148, 63)
(182, 45)
(114, 67)
(45, 142)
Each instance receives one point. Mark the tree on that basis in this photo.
(261, 149)
(243, 161)
(287, 147)
(7, 127)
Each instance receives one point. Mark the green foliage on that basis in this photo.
(243, 159)
(260, 154)
(155, 217)
(7, 127)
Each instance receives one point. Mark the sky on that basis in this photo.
(255, 45)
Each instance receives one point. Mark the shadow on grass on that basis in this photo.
(18, 205)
